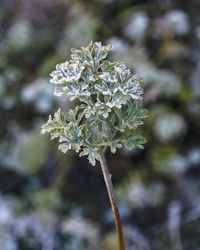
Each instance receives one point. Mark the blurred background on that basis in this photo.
(52, 201)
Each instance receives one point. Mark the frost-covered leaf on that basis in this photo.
(131, 142)
(103, 88)
(101, 51)
(102, 109)
(64, 147)
(108, 77)
(92, 155)
(114, 145)
(133, 124)
(89, 110)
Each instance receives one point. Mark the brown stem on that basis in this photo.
(113, 202)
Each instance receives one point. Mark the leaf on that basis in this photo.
(131, 142)
(77, 147)
(111, 121)
(103, 88)
(108, 77)
(100, 140)
(101, 51)
(58, 91)
(114, 145)
(64, 147)
(133, 124)
(57, 115)
(71, 116)
(102, 109)
(92, 154)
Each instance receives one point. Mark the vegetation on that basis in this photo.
(108, 112)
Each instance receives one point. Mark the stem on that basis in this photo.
(113, 202)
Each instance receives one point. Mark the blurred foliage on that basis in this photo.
(158, 188)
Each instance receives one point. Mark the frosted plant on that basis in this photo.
(107, 113)
(109, 108)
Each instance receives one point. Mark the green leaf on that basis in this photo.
(131, 142)
(92, 154)
(101, 51)
(114, 145)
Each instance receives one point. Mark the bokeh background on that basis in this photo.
(52, 201)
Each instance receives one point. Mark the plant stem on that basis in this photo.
(113, 201)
